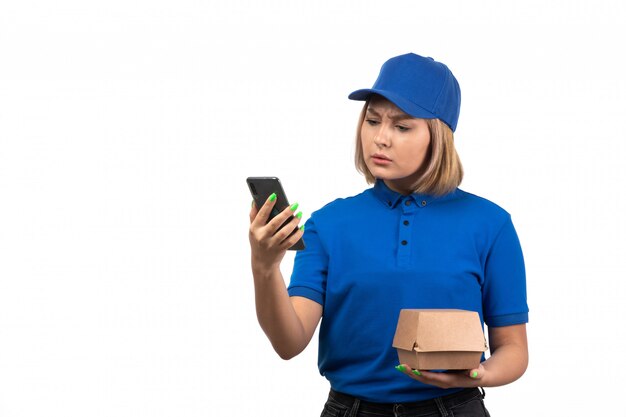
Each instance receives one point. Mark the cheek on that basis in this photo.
(423, 142)
(420, 149)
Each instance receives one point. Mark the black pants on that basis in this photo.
(466, 403)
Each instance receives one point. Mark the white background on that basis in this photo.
(127, 129)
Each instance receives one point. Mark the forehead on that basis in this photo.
(380, 104)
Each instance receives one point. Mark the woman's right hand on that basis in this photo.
(268, 244)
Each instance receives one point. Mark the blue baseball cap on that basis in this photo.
(420, 86)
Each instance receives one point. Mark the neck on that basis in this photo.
(399, 188)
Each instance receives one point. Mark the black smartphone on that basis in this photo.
(261, 188)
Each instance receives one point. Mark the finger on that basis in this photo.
(291, 240)
(435, 376)
(404, 368)
(407, 370)
(285, 234)
(264, 212)
(476, 373)
(440, 379)
(280, 219)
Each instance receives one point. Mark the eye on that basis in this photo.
(371, 122)
(403, 128)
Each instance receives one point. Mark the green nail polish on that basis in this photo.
(474, 374)
(273, 197)
(294, 207)
(302, 228)
(416, 372)
(299, 215)
(401, 368)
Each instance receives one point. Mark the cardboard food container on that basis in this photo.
(439, 339)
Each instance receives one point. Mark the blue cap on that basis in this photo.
(420, 86)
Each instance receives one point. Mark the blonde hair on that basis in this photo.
(440, 173)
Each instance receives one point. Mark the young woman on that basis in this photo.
(413, 240)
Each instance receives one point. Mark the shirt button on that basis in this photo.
(423, 203)
(389, 203)
(406, 222)
(407, 202)
(404, 242)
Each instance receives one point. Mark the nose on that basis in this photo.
(382, 139)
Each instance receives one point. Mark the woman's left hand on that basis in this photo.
(461, 379)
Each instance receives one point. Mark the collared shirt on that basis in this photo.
(370, 255)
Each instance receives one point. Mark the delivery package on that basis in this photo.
(439, 339)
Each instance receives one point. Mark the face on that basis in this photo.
(389, 132)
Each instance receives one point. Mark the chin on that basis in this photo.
(378, 171)
(382, 174)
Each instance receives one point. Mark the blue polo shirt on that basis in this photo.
(370, 255)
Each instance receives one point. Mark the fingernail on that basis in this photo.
(474, 374)
(273, 197)
(416, 372)
(302, 228)
(294, 207)
(401, 368)
(299, 215)
(252, 203)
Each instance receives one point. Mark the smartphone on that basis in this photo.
(261, 188)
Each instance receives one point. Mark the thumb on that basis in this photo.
(476, 373)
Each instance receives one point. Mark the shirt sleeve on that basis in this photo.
(504, 288)
(310, 267)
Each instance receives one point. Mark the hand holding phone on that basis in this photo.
(282, 233)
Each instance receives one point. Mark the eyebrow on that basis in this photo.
(394, 116)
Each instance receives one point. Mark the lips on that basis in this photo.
(381, 156)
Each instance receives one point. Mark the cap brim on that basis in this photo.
(405, 105)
